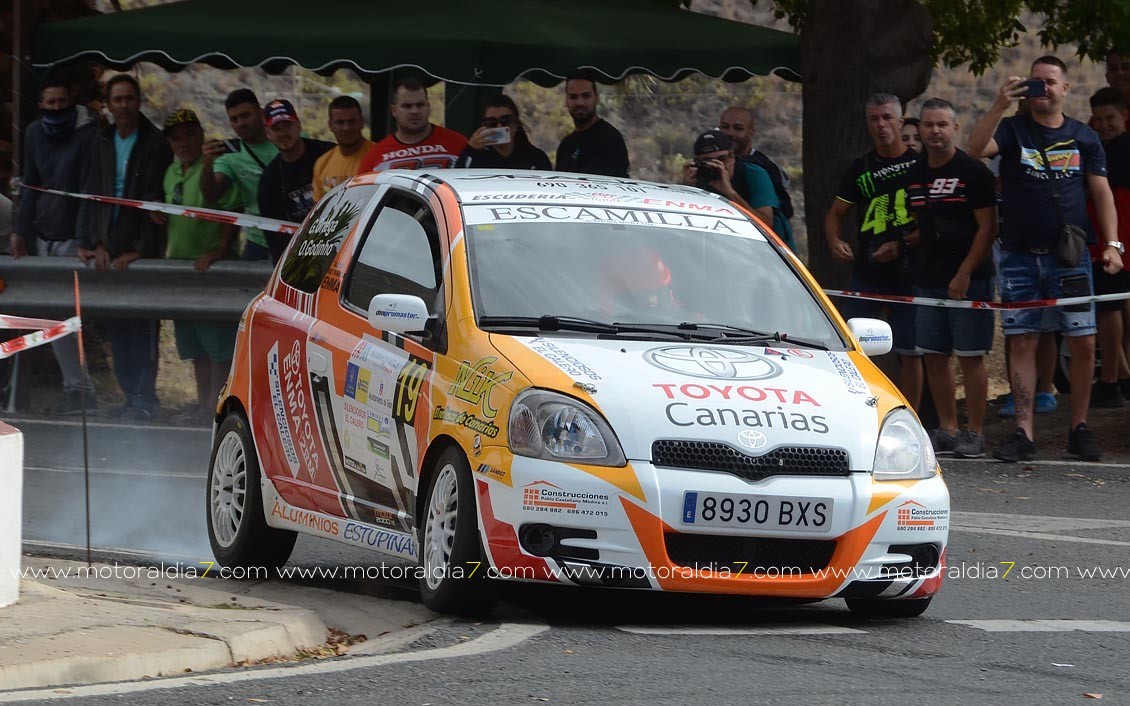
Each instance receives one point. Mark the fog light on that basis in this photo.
(539, 540)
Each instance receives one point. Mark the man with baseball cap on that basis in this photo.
(209, 345)
(286, 191)
(716, 169)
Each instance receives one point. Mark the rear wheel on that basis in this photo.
(887, 608)
(454, 570)
(237, 528)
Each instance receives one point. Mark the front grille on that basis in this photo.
(784, 557)
(783, 461)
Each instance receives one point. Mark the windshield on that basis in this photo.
(716, 271)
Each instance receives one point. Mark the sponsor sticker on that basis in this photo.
(913, 516)
(847, 371)
(543, 496)
(563, 359)
(467, 420)
(279, 408)
(475, 381)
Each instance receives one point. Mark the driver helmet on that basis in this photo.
(637, 279)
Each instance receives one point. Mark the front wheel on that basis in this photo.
(878, 608)
(237, 528)
(454, 571)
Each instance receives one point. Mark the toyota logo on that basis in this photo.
(712, 362)
(752, 439)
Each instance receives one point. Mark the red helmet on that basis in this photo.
(637, 277)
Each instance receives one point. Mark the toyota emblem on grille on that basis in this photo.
(712, 362)
(752, 439)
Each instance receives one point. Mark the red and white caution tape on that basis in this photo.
(46, 332)
(962, 304)
(206, 214)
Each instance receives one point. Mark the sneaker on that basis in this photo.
(118, 412)
(1046, 402)
(1008, 409)
(969, 444)
(72, 402)
(139, 414)
(1106, 395)
(942, 442)
(1081, 443)
(1124, 387)
(1017, 447)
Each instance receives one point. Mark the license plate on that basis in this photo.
(704, 509)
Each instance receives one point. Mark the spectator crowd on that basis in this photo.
(1040, 221)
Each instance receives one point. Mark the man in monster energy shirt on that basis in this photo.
(875, 185)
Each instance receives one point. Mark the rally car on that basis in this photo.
(573, 379)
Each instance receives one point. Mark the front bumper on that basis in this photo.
(584, 525)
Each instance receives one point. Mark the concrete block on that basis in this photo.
(11, 516)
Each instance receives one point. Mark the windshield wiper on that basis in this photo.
(576, 323)
(737, 334)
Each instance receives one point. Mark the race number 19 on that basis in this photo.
(408, 385)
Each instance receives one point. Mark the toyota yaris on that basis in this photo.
(582, 380)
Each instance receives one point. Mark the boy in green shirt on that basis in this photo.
(209, 345)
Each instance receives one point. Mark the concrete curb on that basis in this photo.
(88, 631)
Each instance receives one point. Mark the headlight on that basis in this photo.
(904, 450)
(559, 428)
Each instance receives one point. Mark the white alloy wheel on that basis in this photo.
(439, 531)
(227, 497)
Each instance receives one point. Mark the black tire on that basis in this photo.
(453, 579)
(880, 608)
(240, 538)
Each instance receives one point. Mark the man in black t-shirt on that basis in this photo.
(594, 147)
(875, 186)
(286, 189)
(1048, 163)
(953, 199)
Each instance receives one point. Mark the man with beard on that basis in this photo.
(416, 143)
(240, 163)
(55, 157)
(594, 146)
(1048, 164)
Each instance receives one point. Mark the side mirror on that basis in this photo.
(874, 335)
(398, 313)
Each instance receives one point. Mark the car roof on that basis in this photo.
(483, 186)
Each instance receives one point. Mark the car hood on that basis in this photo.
(694, 391)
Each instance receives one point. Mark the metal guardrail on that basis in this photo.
(149, 288)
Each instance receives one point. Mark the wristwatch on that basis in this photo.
(1117, 245)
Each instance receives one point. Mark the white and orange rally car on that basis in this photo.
(573, 379)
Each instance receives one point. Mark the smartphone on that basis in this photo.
(496, 135)
(231, 144)
(1075, 286)
(1036, 88)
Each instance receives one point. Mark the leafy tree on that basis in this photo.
(853, 48)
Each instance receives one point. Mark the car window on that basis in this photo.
(317, 244)
(399, 255)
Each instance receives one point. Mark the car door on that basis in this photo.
(380, 381)
(289, 368)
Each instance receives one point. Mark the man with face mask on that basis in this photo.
(55, 157)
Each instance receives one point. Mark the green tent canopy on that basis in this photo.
(486, 43)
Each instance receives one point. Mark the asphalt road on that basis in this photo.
(987, 639)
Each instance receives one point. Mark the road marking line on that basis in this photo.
(1033, 523)
(111, 472)
(1045, 625)
(142, 553)
(504, 636)
(18, 421)
(1040, 535)
(706, 630)
(1074, 465)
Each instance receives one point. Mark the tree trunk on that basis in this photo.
(851, 49)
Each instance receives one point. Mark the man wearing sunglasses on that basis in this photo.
(501, 141)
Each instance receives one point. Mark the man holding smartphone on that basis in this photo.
(1030, 267)
(501, 142)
